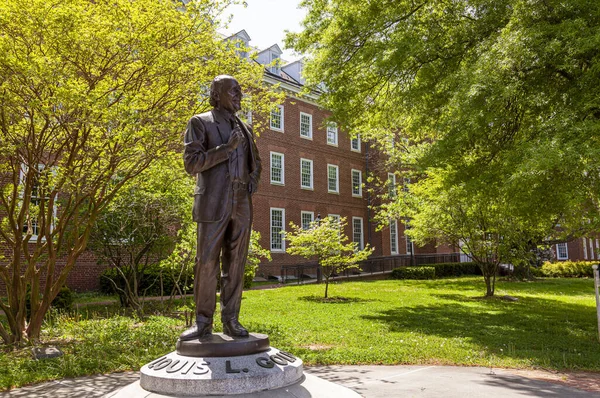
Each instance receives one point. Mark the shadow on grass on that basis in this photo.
(546, 333)
(334, 299)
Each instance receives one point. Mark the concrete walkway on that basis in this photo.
(375, 382)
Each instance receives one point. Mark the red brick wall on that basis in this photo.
(295, 199)
(576, 251)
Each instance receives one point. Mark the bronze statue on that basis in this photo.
(220, 151)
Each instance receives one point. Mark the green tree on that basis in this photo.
(326, 242)
(479, 220)
(138, 228)
(481, 88)
(91, 93)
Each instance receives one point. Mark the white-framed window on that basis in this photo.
(277, 227)
(356, 183)
(393, 236)
(39, 192)
(277, 168)
(410, 246)
(333, 180)
(332, 134)
(306, 126)
(336, 217)
(391, 183)
(355, 143)
(406, 184)
(275, 64)
(306, 173)
(562, 251)
(306, 218)
(585, 256)
(276, 119)
(357, 232)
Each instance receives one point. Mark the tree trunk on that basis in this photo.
(489, 276)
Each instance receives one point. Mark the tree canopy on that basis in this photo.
(91, 93)
(487, 92)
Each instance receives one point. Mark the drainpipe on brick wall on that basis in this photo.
(369, 237)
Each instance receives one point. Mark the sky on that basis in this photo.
(265, 22)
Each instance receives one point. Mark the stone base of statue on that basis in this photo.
(220, 365)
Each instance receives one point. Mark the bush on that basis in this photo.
(414, 272)
(64, 299)
(566, 269)
(149, 280)
(455, 269)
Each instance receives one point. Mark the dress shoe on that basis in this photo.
(234, 329)
(197, 331)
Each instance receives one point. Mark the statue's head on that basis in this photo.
(226, 93)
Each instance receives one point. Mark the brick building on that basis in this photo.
(311, 169)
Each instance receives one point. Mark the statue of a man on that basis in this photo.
(220, 151)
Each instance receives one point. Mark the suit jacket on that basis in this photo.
(205, 155)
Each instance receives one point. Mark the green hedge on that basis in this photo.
(414, 273)
(150, 280)
(565, 269)
(455, 269)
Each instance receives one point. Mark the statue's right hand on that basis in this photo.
(235, 138)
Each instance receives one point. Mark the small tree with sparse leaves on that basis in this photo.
(325, 240)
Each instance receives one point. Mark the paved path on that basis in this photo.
(373, 382)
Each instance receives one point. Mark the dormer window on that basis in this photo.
(275, 64)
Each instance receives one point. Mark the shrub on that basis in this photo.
(64, 299)
(415, 272)
(566, 269)
(150, 280)
(455, 269)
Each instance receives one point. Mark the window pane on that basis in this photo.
(356, 183)
(277, 168)
(305, 125)
(332, 134)
(307, 218)
(409, 243)
(391, 185)
(393, 237)
(306, 174)
(562, 252)
(357, 232)
(276, 228)
(276, 118)
(332, 178)
(355, 143)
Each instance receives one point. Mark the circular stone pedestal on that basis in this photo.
(184, 375)
(222, 345)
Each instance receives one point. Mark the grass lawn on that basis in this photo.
(551, 326)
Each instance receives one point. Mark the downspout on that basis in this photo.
(369, 235)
